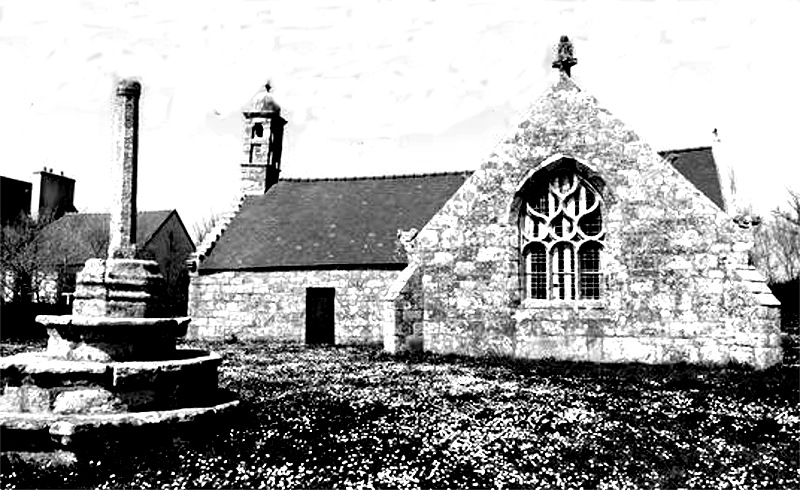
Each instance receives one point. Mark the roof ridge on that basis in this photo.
(376, 177)
(105, 213)
(79, 213)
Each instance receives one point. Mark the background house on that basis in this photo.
(49, 197)
(67, 243)
(53, 195)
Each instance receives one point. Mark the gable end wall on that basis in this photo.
(674, 263)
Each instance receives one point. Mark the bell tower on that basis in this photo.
(262, 143)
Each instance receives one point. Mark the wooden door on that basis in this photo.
(319, 315)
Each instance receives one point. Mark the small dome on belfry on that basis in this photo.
(264, 100)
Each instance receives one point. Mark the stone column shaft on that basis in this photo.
(122, 232)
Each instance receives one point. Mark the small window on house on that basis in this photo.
(561, 236)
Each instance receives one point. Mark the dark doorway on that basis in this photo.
(319, 315)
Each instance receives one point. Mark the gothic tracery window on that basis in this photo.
(561, 235)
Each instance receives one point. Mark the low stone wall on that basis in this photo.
(272, 304)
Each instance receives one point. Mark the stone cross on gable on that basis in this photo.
(125, 110)
(565, 56)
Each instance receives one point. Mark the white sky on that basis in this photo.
(380, 87)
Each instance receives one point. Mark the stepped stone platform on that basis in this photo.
(87, 338)
(37, 383)
(105, 378)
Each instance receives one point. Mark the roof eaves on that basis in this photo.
(683, 150)
(376, 177)
(306, 267)
(183, 227)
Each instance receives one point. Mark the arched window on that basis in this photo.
(256, 140)
(561, 235)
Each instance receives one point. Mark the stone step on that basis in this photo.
(37, 383)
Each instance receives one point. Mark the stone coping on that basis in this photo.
(41, 362)
(111, 322)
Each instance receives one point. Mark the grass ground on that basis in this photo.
(356, 417)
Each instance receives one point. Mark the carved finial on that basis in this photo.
(264, 101)
(565, 58)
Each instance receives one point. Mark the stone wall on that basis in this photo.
(272, 304)
(676, 285)
(403, 312)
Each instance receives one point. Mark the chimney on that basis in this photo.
(262, 143)
(53, 195)
(125, 114)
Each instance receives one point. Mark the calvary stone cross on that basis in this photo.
(122, 232)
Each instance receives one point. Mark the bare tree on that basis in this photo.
(792, 215)
(19, 259)
(204, 226)
(97, 239)
(27, 258)
(777, 247)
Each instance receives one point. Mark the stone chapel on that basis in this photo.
(574, 240)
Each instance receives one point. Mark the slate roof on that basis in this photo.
(699, 167)
(308, 223)
(318, 223)
(78, 237)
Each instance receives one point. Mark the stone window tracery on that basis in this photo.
(561, 236)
